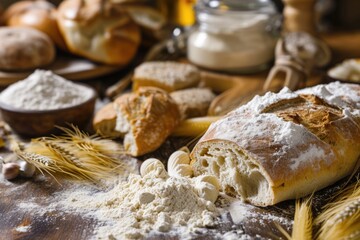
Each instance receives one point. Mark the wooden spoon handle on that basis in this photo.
(113, 91)
(222, 82)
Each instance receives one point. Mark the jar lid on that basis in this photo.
(236, 6)
(230, 16)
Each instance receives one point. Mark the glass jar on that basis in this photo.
(234, 35)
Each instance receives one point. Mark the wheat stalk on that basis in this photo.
(302, 227)
(341, 218)
(42, 163)
(78, 155)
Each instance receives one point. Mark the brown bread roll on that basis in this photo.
(284, 146)
(38, 14)
(24, 49)
(99, 30)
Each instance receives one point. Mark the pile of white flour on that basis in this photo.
(44, 90)
(154, 202)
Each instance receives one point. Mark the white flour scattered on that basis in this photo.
(143, 207)
(241, 212)
(154, 203)
(43, 90)
(23, 229)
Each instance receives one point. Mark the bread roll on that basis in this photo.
(145, 118)
(99, 30)
(193, 102)
(284, 146)
(38, 14)
(168, 75)
(24, 49)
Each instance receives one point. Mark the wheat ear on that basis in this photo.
(341, 218)
(303, 222)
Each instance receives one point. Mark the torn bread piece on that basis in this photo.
(285, 145)
(145, 118)
(104, 121)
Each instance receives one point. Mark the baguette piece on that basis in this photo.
(145, 118)
(284, 146)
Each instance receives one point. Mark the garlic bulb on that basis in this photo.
(151, 164)
(178, 164)
(26, 169)
(208, 187)
(10, 170)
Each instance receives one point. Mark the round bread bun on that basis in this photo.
(37, 14)
(24, 48)
(99, 30)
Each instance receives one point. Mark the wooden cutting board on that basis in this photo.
(67, 66)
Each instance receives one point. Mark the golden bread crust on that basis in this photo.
(152, 115)
(104, 121)
(284, 146)
(103, 33)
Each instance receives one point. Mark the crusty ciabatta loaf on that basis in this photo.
(285, 145)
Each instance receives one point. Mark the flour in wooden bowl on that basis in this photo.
(44, 90)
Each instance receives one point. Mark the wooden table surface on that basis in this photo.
(38, 192)
(58, 224)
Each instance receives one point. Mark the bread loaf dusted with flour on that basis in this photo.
(285, 145)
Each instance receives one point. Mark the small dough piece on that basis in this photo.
(24, 48)
(150, 165)
(170, 76)
(193, 102)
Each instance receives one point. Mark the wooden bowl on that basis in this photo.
(36, 123)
